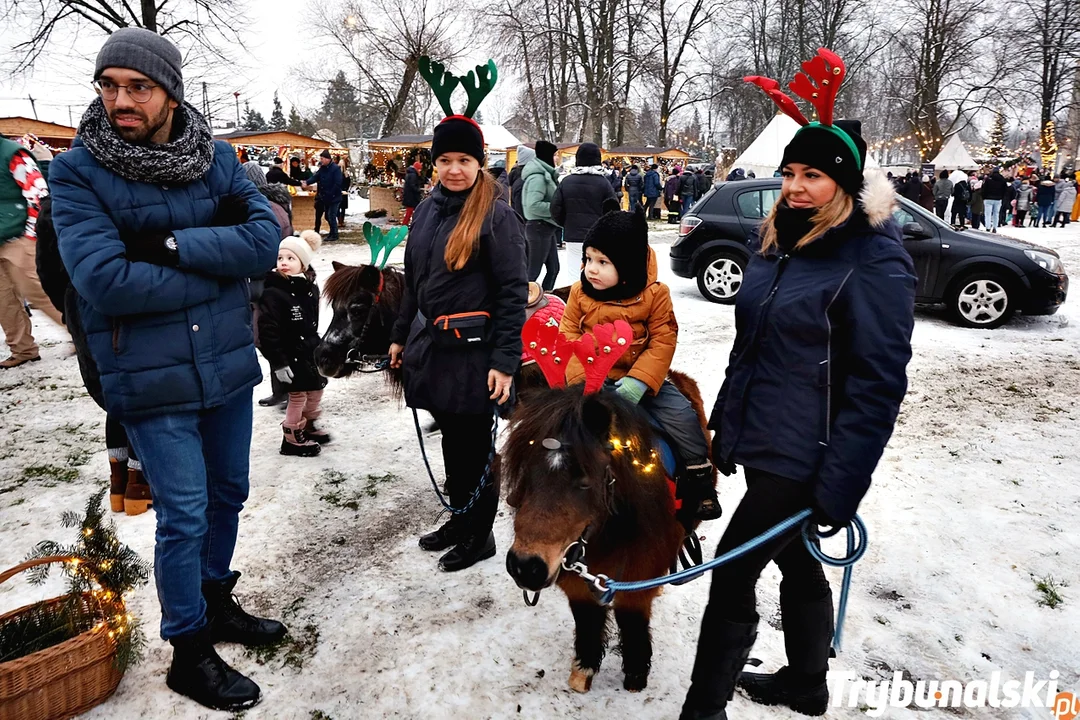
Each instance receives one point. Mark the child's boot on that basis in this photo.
(297, 444)
(313, 433)
(137, 499)
(701, 492)
(118, 477)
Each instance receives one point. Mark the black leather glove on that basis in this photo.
(231, 210)
(153, 248)
(726, 468)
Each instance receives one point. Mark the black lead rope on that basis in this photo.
(483, 480)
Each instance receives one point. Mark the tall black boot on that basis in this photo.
(454, 530)
(200, 674)
(722, 650)
(801, 684)
(229, 623)
(469, 552)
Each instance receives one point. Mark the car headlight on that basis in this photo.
(1048, 262)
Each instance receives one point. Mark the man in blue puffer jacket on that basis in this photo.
(159, 229)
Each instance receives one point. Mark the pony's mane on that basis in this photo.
(349, 280)
(560, 414)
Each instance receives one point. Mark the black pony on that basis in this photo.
(365, 302)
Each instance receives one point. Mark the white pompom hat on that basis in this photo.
(303, 247)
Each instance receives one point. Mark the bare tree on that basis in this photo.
(680, 24)
(209, 26)
(384, 40)
(1048, 30)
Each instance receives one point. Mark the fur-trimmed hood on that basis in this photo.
(877, 197)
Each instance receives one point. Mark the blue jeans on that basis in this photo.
(993, 209)
(331, 210)
(197, 466)
(1046, 213)
(687, 203)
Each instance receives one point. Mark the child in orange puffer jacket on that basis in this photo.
(619, 282)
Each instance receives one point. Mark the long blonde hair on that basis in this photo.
(465, 237)
(827, 216)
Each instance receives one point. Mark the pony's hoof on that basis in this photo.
(581, 680)
(635, 682)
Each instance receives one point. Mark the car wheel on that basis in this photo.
(720, 276)
(982, 299)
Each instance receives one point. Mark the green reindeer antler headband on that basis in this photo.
(478, 84)
(382, 242)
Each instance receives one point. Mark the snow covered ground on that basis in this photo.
(976, 498)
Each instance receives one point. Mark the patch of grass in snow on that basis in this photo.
(319, 715)
(340, 495)
(79, 457)
(50, 473)
(1049, 587)
(293, 650)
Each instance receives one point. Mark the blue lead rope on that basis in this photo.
(856, 548)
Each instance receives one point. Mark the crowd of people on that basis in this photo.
(989, 200)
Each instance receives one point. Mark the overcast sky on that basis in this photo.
(61, 85)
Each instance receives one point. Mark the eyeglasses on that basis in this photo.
(139, 92)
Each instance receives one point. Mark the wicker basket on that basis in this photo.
(60, 681)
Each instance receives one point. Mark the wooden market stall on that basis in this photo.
(285, 144)
(54, 137)
(645, 155)
(391, 149)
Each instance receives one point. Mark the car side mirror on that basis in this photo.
(915, 230)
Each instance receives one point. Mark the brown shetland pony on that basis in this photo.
(590, 483)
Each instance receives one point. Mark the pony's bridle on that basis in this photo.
(573, 558)
(352, 357)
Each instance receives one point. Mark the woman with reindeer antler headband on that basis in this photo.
(458, 336)
(811, 392)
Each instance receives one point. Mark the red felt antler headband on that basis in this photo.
(826, 71)
(598, 352)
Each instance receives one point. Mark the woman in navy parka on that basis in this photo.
(811, 392)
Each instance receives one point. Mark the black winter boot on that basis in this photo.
(469, 552)
(699, 493)
(199, 673)
(229, 623)
(722, 650)
(450, 533)
(801, 684)
(296, 443)
(315, 434)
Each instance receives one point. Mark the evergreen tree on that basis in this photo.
(341, 108)
(252, 120)
(277, 118)
(997, 137)
(295, 123)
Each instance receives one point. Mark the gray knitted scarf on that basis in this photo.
(183, 159)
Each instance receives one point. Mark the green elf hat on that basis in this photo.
(459, 133)
(835, 148)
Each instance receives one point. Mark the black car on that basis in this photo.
(982, 278)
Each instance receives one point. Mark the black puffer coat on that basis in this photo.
(454, 380)
(579, 203)
(57, 285)
(289, 328)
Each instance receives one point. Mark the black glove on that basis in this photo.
(231, 210)
(827, 524)
(152, 248)
(726, 468)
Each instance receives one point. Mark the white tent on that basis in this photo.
(765, 153)
(954, 155)
(498, 137)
